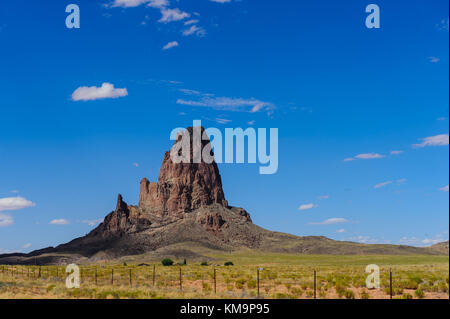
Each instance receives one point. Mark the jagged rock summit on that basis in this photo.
(183, 187)
(187, 207)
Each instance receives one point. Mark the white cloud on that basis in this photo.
(437, 140)
(428, 241)
(15, 203)
(369, 156)
(189, 22)
(252, 122)
(190, 92)
(307, 206)
(158, 3)
(341, 231)
(396, 152)
(444, 189)
(222, 121)
(401, 180)
(59, 222)
(28, 245)
(382, 184)
(433, 59)
(6, 220)
(170, 45)
(230, 104)
(128, 3)
(220, 1)
(170, 15)
(331, 221)
(443, 25)
(136, 3)
(364, 239)
(323, 197)
(364, 156)
(136, 164)
(91, 93)
(193, 29)
(92, 222)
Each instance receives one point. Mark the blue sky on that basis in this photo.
(342, 96)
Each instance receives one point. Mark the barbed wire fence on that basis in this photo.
(276, 282)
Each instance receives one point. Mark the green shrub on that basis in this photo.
(251, 284)
(204, 263)
(365, 295)
(206, 286)
(240, 283)
(419, 293)
(442, 287)
(296, 291)
(50, 288)
(407, 296)
(167, 262)
(397, 291)
(229, 263)
(340, 291)
(416, 279)
(349, 294)
(410, 284)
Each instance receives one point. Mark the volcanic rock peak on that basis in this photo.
(183, 187)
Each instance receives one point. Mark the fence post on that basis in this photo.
(96, 276)
(315, 284)
(112, 276)
(257, 279)
(215, 281)
(39, 274)
(131, 283)
(181, 284)
(390, 281)
(154, 274)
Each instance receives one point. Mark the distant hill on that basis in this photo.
(442, 248)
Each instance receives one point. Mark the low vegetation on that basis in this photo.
(282, 276)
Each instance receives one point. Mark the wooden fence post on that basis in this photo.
(154, 274)
(257, 279)
(131, 283)
(215, 281)
(315, 284)
(390, 281)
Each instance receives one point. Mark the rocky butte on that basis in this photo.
(183, 211)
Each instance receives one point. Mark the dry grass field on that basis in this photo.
(281, 276)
